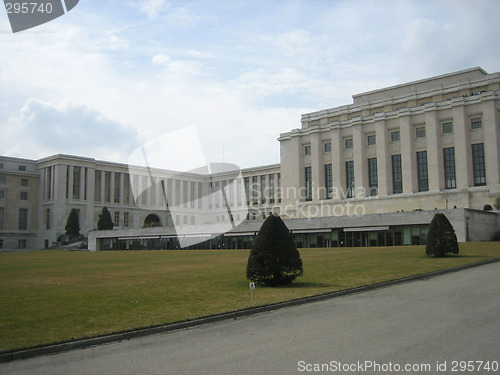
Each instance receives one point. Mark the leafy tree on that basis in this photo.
(441, 238)
(73, 224)
(105, 222)
(274, 258)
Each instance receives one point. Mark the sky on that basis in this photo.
(111, 76)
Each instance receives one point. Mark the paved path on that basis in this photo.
(455, 317)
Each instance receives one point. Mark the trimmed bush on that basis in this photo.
(105, 222)
(441, 238)
(73, 224)
(274, 258)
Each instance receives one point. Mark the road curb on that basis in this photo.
(127, 335)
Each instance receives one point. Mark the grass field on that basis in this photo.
(56, 296)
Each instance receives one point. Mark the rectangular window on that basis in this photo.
(117, 219)
(308, 179)
(23, 218)
(2, 180)
(2, 194)
(423, 179)
(185, 193)
(255, 190)
(372, 140)
(1, 243)
(447, 127)
(307, 150)
(21, 244)
(450, 181)
(192, 194)
(22, 168)
(478, 165)
(476, 123)
(329, 181)
(397, 174)
(348, 143)
(47, 218)
(24, 182)
(263, 189)
(107, 186)
(67, 181)
(271, 188)
(24, 195)
(125, 219)
(247, 189)
(49, 183)
(328, 147)
(373, 176)
(239, 194)
(85, 179)
(279, 187)
(395, 136)
(116, 195)
(2, 217)
(97, 186)
(349, 175)
(1, 165)
(76, 182)
(420, 132)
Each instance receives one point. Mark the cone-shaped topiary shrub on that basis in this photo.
(105, 222)
(274, 258)
(441, 238)
(73, 224)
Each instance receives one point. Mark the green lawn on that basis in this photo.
(55, 296)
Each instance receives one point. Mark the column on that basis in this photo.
(360, 163)
(463, 151)
(317, 169)
(338, 164)
(435, 167)
(407, 141)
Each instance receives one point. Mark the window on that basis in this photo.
(1, 165)
(125, 219)
(263, 189)
(76, 182)
(255, 190)
(2, 219)
(420, 133)
(22, 168)
(24, 195)
(24, 182)
(23, 218)
(372, 176)
(2, 194)
(247, 189)
(476, 123)
(21, 244)
(329, 181)
(372, 140)
(117, 219)
(97, 186)
(2, 180)
(47, 218)
(271, 188)
(328, 147)
(423, 179)
(348, 143)
(1, 243)
(450, 181)
(116, 193)
(107, 187)
(447, 127)
(308, 178)
(478, 166)
(395, 136)
(397, 175)
(307, 150)
(349, 175)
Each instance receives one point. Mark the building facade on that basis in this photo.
(428, 144)
(425, 145)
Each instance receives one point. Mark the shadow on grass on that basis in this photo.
(300, 285)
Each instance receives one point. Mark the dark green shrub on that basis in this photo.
(274, 258)
(105, 222)
(496, 236)
(73, 224)
(441, 238)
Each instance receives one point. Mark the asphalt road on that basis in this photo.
(425, 324)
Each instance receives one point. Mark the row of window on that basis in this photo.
(446, 127)
(3, 181)
(478, 167)
(21, 168)
(21, 244)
